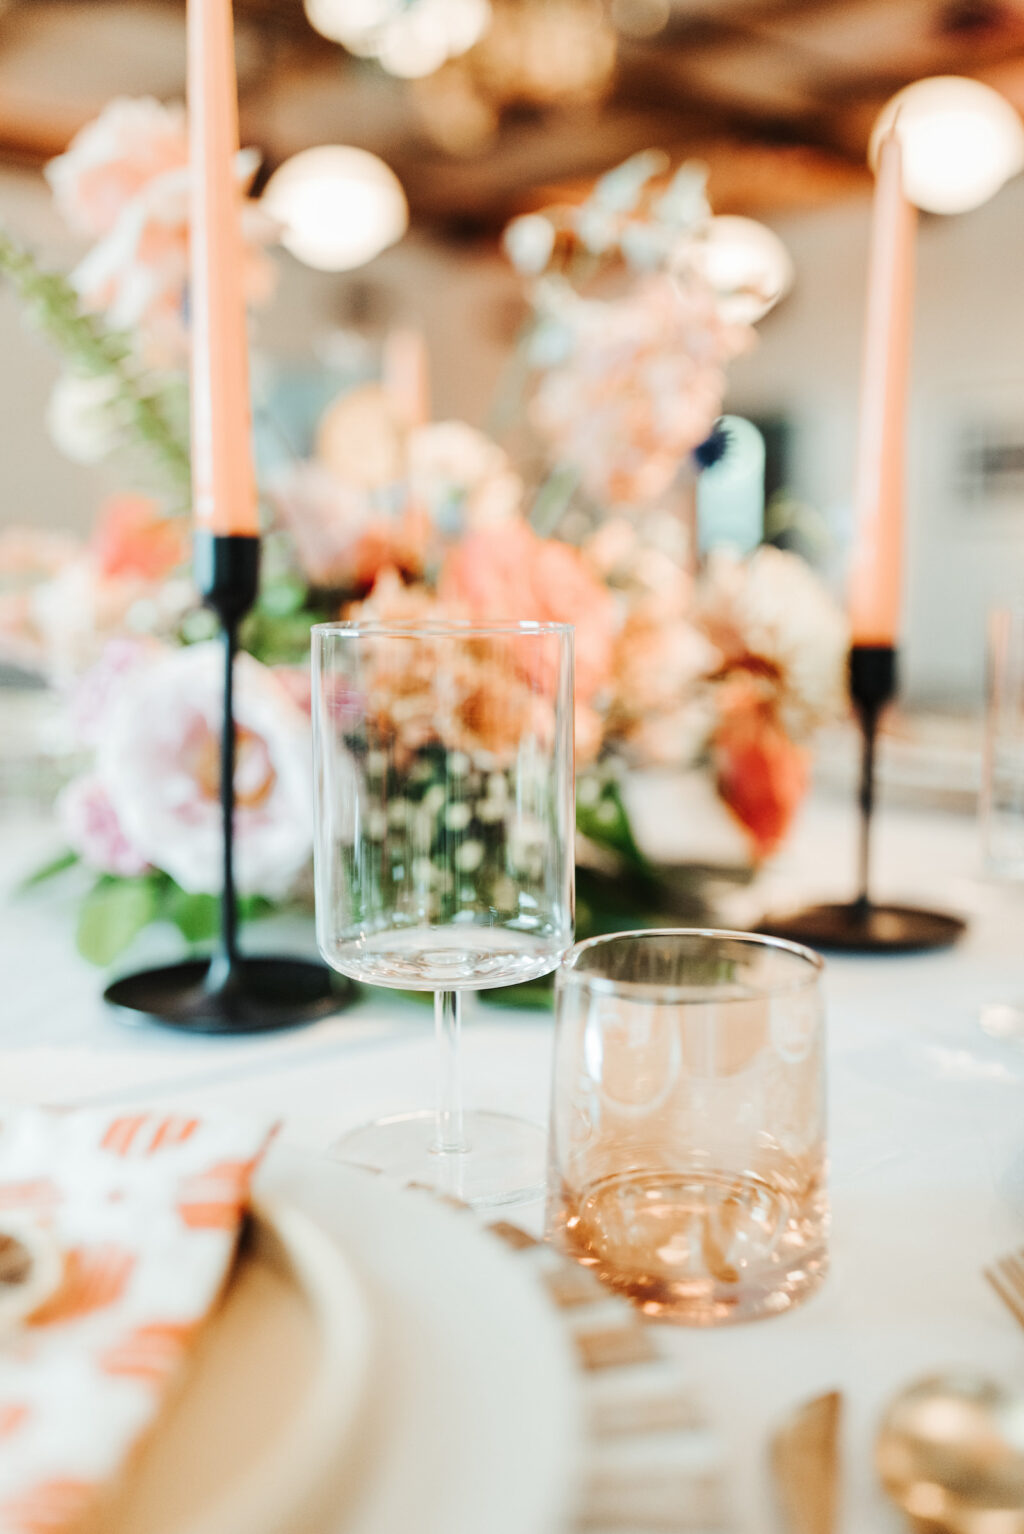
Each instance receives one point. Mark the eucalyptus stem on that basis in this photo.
(55, 308)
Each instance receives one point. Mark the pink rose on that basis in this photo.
(97, 691)
(159, 762)
(508, 572)
(91, 825)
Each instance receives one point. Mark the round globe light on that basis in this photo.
(745, 263)
(410, 38)
(961, 142)
(416, 47)
(347, 21)
(338, 207)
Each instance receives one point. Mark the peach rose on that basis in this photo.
(462, 478)
(124, 183)
(488, 705)
(341, 538)
(761, 775)
(137, 273)
(109, 162)
(508, 572)
(134, 538)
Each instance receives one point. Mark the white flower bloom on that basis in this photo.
(138, 271)
(159, 761)
(461, 476)
(775, 608)
(80, 420)
(107, 163)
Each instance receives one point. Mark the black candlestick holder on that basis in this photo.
(862, 925)
(230, 992)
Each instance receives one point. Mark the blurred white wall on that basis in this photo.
(968, 367)
(37, 485)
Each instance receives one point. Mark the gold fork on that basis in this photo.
(1007, 1279)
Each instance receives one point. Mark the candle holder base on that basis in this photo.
(260, 995)
(863, 927)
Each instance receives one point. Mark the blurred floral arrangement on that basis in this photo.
(629, 342)
(728, 667)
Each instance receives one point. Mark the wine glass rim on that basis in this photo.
(570, 973)
(442, 628)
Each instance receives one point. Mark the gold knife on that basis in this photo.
(804, 1455)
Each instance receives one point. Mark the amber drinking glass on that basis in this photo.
(687, 1146)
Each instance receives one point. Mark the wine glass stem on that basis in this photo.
(448, 1026)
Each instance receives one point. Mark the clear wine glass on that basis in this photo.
(445, 854)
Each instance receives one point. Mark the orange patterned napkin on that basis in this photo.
(145, 1209)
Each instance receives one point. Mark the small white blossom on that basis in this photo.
(469, 856)
(457, 817)
(433, 800)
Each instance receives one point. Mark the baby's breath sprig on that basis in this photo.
(144, 408)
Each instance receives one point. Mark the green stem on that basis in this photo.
(56, 310)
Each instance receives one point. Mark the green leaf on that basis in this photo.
(197, 917)
(58, 865)
(603, 820)
(531, 994)
(552, 501)
(113, 914)
(149, 408)
(279, 640)
(283, 597)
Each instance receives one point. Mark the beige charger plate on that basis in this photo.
(467, 1421)
(260, 1436)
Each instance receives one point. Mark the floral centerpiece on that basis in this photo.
(728, 666)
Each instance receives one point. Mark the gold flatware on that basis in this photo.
(950, 1454)
(1007, 1278)
(805, 1462)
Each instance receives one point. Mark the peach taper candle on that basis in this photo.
(876, 573)
(223, 479)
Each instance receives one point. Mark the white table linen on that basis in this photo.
(926, 1120)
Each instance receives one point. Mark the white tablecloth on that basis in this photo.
(927, 1122)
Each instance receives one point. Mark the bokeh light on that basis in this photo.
(338, 207)
(961, 141)
(745, 263)
(410, 38)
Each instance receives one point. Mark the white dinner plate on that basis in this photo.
(474, 1416)
(381, 1365)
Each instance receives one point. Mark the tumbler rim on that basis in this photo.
(569, 974)
(453, 628)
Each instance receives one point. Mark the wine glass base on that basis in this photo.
(505, 1160)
